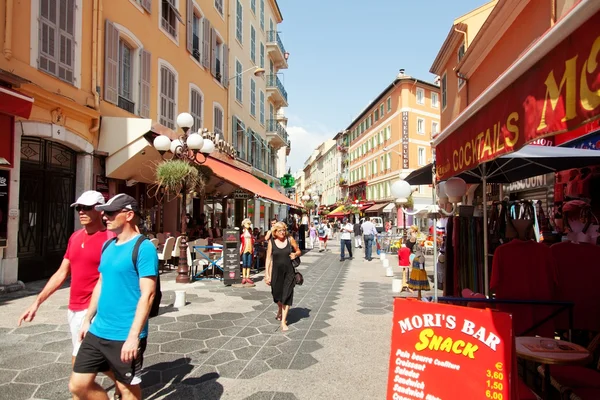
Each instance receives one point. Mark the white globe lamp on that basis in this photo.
(441, 194)
(185, 121)
(195, 141)
(174, 145)
(162, 143)
(208, 147)
(401, 189)
(455, 188)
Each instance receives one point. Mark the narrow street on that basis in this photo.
(226, 343)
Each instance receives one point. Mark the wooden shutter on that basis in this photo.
(145, 70)
(225, 72)
(190, 26)
(213, 52)
(48, 37)
(111, 63)
(206, 54)
(147, 5)
(234, 132)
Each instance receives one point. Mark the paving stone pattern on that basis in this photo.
(186, 354)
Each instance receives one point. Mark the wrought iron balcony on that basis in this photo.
(276, 134)
(276, 50)
(276, 91)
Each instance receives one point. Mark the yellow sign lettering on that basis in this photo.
(553, 91)
(590, 99)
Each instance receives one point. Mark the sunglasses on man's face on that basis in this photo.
(113, 213)
(83, 208)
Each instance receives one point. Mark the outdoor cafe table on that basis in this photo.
(550, 352)
(205, 252)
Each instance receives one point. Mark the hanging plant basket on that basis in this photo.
(172, 174)
(309, 205)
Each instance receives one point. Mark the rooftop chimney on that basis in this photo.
(401, 74)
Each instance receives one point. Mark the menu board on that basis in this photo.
(231, 257)
(445, 352)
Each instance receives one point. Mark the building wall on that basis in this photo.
(531, 23)
(388, 152)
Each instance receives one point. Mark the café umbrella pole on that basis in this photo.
(435, 248)
(485, 232)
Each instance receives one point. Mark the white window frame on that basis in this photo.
(34, 44)
(253, 6)
(262, 15)
(252, 44)
(221, 12)
(435, 104)
(220, 44)
(444, 90)
(197, 89)
(435, 125)
(389, 103)
(165, 63)
(239, 82)
(261, 55)
(421, 150)
(137, 46)
(198, 13)
(420, 126)
(220, 107)
(174, 39)
(422, 92)
(239, 21)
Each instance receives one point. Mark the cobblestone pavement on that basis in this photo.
(226, 342)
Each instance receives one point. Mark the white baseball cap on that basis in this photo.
(89, 198)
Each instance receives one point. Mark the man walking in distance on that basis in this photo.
(346, 238)
(269, 233)
(369, 234)
(120, 305)
(357, 234)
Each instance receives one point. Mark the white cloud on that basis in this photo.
(304, 142)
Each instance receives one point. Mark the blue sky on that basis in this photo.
(343, 53)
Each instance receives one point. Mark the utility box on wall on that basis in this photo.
(231, 257)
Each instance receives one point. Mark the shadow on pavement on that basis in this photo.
(180, 385)
(297, 314)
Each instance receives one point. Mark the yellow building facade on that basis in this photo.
(101, 73)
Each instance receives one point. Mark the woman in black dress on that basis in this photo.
(279, 270)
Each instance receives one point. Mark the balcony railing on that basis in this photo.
(273, 37)
(275, 126)
(274, 82)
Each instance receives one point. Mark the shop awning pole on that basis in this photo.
(485, 232)
(435, 248)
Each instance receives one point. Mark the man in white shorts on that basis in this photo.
(81, 261)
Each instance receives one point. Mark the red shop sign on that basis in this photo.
(448, 352)
(558, 94)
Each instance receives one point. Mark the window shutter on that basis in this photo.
(235, 132)
(206, 53)
(190, 26)
(213, 52)
(145, 65)
(225, 72)
(111, 63)
(48, 38)
(147, 5)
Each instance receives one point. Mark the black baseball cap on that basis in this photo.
(119, 202)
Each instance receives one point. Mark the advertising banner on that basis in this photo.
(558, 94)
(445, 352)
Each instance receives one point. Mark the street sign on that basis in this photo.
(441, 351)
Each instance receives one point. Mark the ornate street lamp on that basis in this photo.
(193, 148)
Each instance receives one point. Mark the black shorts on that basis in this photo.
(100, 355)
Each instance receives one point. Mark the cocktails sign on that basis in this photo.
(447, 352)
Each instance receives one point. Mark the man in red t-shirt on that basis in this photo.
(81, 261)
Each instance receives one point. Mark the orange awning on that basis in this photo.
(246, 181)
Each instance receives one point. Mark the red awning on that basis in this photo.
(246, 181)
(553, 88)
(15, 103)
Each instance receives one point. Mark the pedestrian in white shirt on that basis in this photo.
(346, 238)
(369, 235)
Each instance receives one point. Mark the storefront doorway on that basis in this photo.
(47, 190)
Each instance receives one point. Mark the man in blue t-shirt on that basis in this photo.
(115, 327)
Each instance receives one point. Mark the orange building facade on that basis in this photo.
(389, 138)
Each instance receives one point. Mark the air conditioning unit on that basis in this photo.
(131, 182)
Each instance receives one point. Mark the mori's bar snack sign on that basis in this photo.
(558, 94)
(444, 352)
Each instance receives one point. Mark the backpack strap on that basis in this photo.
(136, 250)
(107, 243)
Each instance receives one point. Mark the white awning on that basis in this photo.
(389, 208)
(130, 155)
